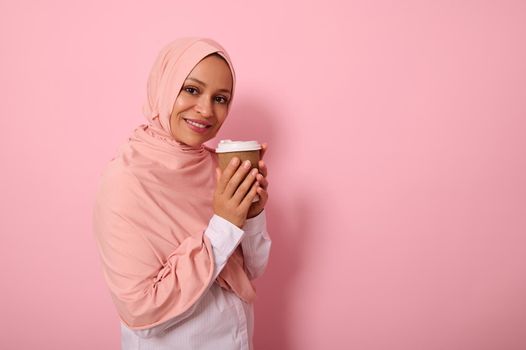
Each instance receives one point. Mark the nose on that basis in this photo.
(204, 106)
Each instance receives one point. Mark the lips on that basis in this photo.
(199, 122)
(199, 126)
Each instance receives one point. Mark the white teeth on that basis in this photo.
(202, 126)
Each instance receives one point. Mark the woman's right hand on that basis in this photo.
(235, 190)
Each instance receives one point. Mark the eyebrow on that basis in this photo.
(202, 83)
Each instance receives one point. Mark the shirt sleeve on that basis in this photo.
(256, 245)
(224, 237)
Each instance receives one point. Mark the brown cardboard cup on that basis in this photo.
(244, 150)
(224, 158)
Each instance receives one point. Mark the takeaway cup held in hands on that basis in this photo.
(244, 150)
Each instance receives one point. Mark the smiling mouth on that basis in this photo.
(197, 124)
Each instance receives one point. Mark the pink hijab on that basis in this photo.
(154, 204)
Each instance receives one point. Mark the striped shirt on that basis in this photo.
(219, 320)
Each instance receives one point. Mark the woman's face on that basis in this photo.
(202, 104)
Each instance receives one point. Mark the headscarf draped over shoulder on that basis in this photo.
(154, 204)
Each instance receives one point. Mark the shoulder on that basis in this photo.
(117, 184)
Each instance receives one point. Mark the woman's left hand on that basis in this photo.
(257, 207)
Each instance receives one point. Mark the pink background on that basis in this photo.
(397, 164)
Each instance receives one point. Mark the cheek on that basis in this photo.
(222, 113)
(177, 108)
(179, 104)
(183, 102)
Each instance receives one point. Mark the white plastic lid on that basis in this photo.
(225, 146)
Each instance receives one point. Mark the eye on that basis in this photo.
(191, 90)
(221, 99)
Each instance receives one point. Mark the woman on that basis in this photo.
(179, 240)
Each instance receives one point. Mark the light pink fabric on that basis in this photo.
(154, 203)
(174, 63)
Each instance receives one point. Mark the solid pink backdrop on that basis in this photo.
(397, 160)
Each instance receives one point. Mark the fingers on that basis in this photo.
(263, 182)
(237, 178)
(263, 168)
(263, 197)
(263, 150)
(262, 177)
(249, 198)
(245, 186)
(227, 173)
(239, 183)
(257, 207)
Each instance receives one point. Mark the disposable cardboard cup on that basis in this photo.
(224, 158)
(244, 150)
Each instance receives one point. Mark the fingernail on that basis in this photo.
(234, 161)
(246, 164)
(254, 172)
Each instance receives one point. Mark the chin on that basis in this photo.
(193, 142)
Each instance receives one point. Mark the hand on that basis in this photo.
(236, 188)
(257, 207)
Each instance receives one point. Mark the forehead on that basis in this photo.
(213, 71)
